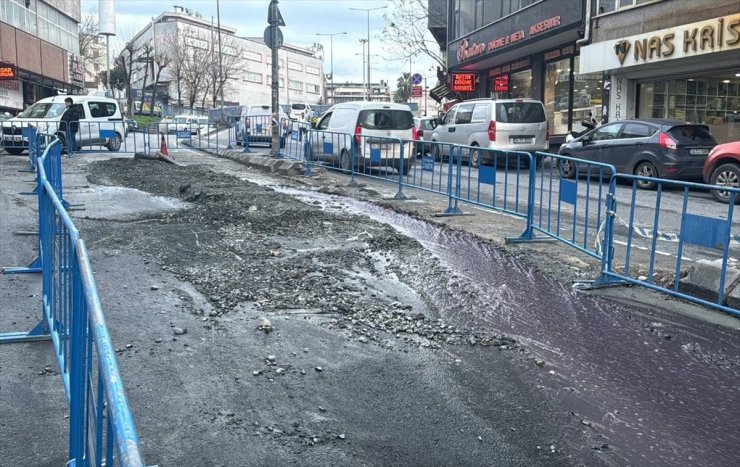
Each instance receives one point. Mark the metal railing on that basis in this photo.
(101, 430)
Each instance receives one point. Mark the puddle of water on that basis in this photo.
(114, 202)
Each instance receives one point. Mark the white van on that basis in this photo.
(373, 126)
(297, 110)
(504, 124)
(101, 123)
(258, 118)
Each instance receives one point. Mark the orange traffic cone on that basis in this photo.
(163, 147)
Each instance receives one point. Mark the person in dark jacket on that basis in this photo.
(70, 124)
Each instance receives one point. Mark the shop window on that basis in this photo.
(557, 95)
(587, 97)
(713, 101)
(521, 84)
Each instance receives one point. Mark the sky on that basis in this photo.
(303, 19)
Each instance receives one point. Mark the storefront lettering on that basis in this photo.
(509, 67)
(7, 72)
(465, 52)
(618, 95)
(697, 39)
(545, 25)
(562, 52)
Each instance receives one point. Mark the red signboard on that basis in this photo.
(463, 82)
(501, 83)
(417, 91)
(7, 71)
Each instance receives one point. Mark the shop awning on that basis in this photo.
(440, 92)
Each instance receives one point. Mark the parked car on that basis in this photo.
(424, 127)
(506, 125)
(657, 148)
(373, 126)
(101, 123)
(258, 119)
(297, 110)
(131, 125)
(722, 167)
(5, 116)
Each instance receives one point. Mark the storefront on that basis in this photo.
(687, 72)
(533, 53)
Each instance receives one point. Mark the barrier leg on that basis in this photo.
(228, 136)
(452, 207)
(308, 156)
(528, 235)
(246, 142)
(399, 195)
(33, 268)
(40, 332)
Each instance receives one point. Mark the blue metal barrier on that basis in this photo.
(673, 240)
(430, 173)
(102, 430)
(296, 135)
(569, 198)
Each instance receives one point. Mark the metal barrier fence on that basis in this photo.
(569, 200)
(101, 429)
(675, 241)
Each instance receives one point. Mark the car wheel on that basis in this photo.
(646, 169)
(567, 168)
(344, 161)
(14, 151)
(726, 175)
(114, 143)
(474, 158)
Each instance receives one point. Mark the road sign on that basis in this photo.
(183, 134)
(417, 91)
(268, 37)
(273, 15)
(416, 78)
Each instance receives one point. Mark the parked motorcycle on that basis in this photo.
(588, 123)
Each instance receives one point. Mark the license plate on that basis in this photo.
(699, 152)
(521, 140)
(17, 138)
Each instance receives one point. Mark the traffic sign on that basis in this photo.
(427, 163)
(268, 37)
(416, 78)
(273, 14)
(417, 91)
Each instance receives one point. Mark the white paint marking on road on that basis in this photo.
(657, 252)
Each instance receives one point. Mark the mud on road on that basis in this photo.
(354, 365)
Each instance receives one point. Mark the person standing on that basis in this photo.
(70, 124)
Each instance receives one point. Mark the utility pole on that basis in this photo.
(331, 58)
(364, 82)
(368, 10)
(274, 36)
(220, 60)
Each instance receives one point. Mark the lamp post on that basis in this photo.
(365, 85)
(368, 10)
(331, 57)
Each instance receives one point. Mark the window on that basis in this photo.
(606, 132)
(313, 88)
(269, 81)
(464, 114)
(324, 123)
(607, 6)
(480, 113)
(449, 117)
(557, 95)
(295, 85)
(254, 56)
(637, 130)
(295, 66)
(101, 109)
(520, 112)
(312, 70)
(386, 119)
(253, 77)
(587, 97)
(521, 84)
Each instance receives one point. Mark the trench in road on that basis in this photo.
(659, 393)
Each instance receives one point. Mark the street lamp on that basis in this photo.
(368, 10)
(331, 57)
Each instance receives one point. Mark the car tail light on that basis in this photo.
(419, 134)
(667, 142)
(358, 132)
(414, 134)
(492, 131)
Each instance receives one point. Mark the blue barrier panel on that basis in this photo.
(432, 174)
(294, 147)
(687, 242)
(568, 200)
(101, 430)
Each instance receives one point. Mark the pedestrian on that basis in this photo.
(70, 124)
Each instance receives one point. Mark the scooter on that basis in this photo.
(588, 123)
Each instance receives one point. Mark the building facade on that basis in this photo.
(337, 93)
(301, 70)
(39, 51)
(524, 49)
(676, 59)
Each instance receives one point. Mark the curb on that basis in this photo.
(703, 281)
(260, 161)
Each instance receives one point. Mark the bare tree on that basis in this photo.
(88, 34)
(125, 60)
(195, 74)
(146, 58)
(174, 50)
(162, 59)
(405, 32)
(231, 66)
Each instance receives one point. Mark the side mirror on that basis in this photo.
(586, 139)
(434, 123)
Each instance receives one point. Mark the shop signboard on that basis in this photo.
(11, 94)
(523, 27)
(686, 40)
(7, 71)
(463, 82)
(501, 83)
(417, 91)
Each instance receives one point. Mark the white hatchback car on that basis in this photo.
(101, 123)
(381, 131)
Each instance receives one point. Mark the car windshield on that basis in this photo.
(692, 134)
(298, 106)
(260, 111)
(43, 110)
(520, 112)
(180, 120)
(203, 120)
(427, 125)
(386, 119)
